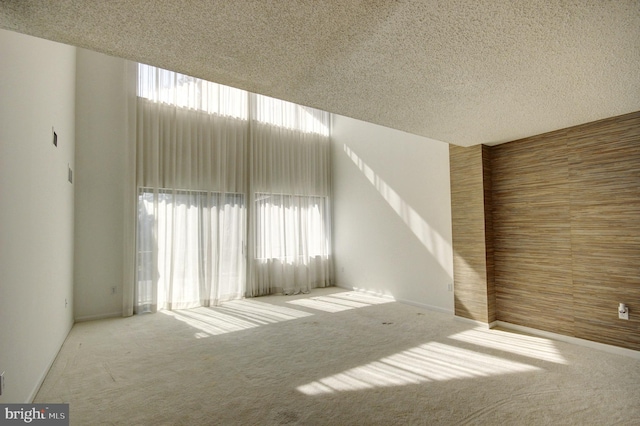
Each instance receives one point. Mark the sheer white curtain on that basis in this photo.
(233, 194)
(290, 195)
(190, 175)
(190, 249)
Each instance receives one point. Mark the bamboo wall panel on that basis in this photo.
(604, 164)
(566, 230)
(489, 234)
(532, 233)
(469, 236)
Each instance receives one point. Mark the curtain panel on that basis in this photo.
(191, 207)
(189, 149)
(233, 194)
(290, 226)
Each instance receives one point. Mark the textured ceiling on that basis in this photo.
(463, 72)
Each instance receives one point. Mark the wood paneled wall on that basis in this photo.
(489, 233)
(604, 179)
(472, 242)
(532, 233)
(566, 230)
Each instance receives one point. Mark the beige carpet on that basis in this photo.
(331, 358)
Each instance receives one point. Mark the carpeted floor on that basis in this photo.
(331, 358)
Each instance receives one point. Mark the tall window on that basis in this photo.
(306, 235)
(183, 91)
(190, 248)
(225, 212)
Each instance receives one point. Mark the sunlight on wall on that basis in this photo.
(429, 237)
(233, 316)
(339, 302)
(519, 344)
(425, 363)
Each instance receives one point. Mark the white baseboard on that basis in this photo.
(425, 306)
(475, 322)
(569, 339)
(368, 292)
(97, 317)
(406, 302)
(38, 385)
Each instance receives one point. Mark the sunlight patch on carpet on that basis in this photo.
(425, 363)
(519, 344)
(339, 302)
(233, 316)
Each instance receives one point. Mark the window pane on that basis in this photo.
(291, 116)
(181, 90)
(190, 248)
(289, 227)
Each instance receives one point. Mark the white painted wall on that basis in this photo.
(37, 88)
(392, 213)
(101, 148)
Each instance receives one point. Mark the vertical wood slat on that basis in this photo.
(532, 233)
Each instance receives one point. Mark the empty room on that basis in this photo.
(319, 212)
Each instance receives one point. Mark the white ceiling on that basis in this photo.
(462, 72)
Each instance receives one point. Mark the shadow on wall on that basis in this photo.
(469, 307)
(430, 238)
(463, 309)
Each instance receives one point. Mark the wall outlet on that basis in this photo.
(1, 383)
(623, 311)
